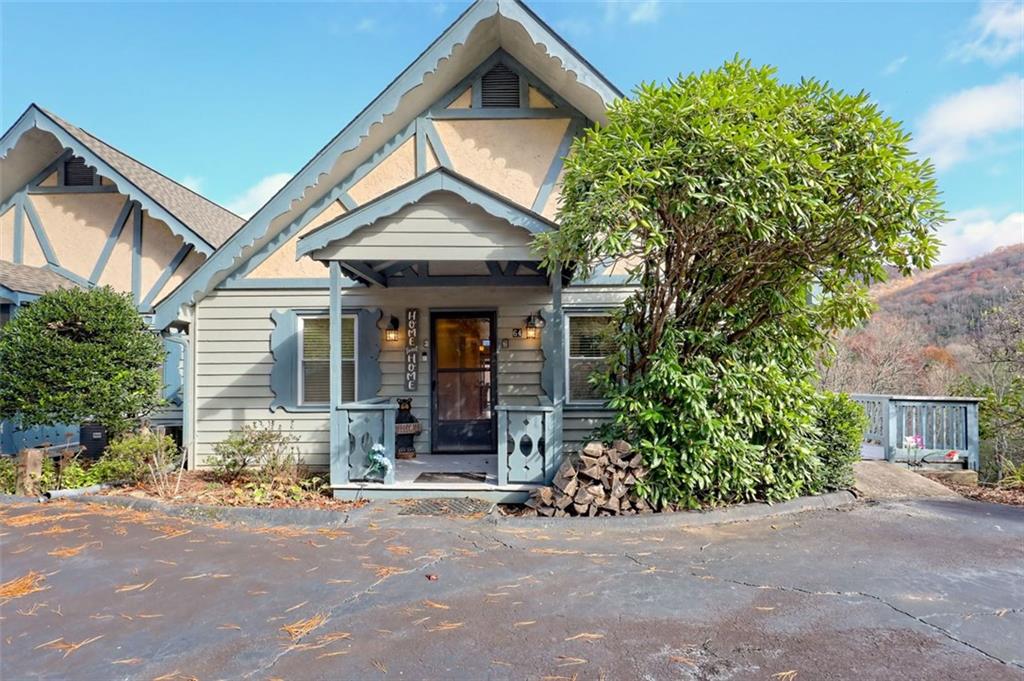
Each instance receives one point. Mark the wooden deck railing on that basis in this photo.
(940, 428)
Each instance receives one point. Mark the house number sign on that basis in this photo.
(412, 355)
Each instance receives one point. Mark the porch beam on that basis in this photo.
(395, 268)
(365, 271)
(468, 280)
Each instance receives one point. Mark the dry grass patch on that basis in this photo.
(300, 628)
(22, 586)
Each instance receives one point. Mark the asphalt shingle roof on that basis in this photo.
(210, 221)
(28, 279)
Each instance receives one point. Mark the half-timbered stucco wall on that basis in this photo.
(95, 237)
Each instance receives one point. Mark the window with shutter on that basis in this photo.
(78, 174)
(499, 87)
(589, 344)
(315, 360)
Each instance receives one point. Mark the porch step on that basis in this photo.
(502, 494)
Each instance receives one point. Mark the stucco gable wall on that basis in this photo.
(516, 157)
(77, 226)
(510, 157)
(7, 235)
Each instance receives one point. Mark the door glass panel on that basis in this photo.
(464, 355)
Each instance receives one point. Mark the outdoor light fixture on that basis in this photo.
(391, 333)
(534, 323)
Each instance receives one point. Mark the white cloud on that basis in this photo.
(253, 198)
(366, 25)
(194, 183)
(645, 12)
(997, 33)
(575, 27)
(642, 12)
(894, 66)
(958, 124)
(976, 232)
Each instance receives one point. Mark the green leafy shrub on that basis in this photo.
(259, 450)
(72, 474)
(720, 430)
(7, 474)
(128, 457)
(74, 355)
(841, 424)
(1013, 476)
(749, 215)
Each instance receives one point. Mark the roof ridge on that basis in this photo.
(145, 165)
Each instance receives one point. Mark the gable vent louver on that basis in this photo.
(499, 88)
(77, 173)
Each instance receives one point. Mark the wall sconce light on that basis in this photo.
(533, 325)
(391, 333)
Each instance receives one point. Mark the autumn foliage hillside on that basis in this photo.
(947, 302)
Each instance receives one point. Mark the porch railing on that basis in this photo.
(942, 425)
(359, 426)
(529, 443)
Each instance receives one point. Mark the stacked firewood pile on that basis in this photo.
(598, 481)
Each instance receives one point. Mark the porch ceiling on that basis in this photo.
(412, 273)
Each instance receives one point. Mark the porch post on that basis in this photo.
(558, 354)
(553, 453)
(339, 418)
(973, 441)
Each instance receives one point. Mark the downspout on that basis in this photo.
(187, 392)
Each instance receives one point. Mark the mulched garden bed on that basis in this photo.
(989, 493)
(201, 487)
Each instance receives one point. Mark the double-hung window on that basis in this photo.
(315, 360)
(588, 346)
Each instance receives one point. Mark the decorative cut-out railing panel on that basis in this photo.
(529, 444)
(361, 426)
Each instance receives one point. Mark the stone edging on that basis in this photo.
(233, 514)
(729, 514)
(320, 518)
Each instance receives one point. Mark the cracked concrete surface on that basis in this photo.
(900, 590)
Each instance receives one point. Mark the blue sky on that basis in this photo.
(233, 98)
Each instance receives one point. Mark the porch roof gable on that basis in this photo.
(438, 180)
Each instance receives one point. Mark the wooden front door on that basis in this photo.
(464, 385)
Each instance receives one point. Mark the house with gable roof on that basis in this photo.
(78, 212)
(396, 264)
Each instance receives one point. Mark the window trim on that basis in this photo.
(568, 315)
(300, 332)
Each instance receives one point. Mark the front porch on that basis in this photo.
(434, 475)
(474, 340)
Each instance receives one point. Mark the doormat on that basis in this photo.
(451, 477)
(439, 506)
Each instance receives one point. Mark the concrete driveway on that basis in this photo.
(900, 590)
